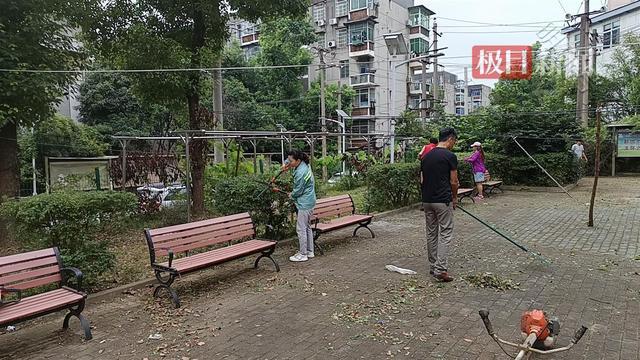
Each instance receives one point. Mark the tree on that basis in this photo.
(151, 34)
(34, 35)
(60, 136)
(540, 110)
(108, 102)
(623, 73)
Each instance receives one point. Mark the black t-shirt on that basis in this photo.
(436, 169)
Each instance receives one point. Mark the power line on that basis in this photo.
(158, 70)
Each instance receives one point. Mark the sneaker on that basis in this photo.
(443, 276)
(310, 254)
(299, 258)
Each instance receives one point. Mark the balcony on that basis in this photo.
(363, 111)
(363, 14)
(362, 49)
(363, 80)
(249, 39)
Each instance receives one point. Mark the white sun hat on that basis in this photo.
(477, 143)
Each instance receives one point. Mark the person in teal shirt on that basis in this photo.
(304, 197)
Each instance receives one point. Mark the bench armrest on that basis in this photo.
(10, 290)
(68, 273)
(169, 253)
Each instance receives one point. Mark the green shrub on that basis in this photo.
(71, 221)
(521, 170)
(269, 210)
(393, 185)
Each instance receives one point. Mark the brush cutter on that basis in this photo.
(538, 331)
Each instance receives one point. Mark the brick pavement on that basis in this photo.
(344, 305)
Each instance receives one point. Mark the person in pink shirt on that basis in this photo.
(477, 165)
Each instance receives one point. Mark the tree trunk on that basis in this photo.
(196, 153)
(9, 163)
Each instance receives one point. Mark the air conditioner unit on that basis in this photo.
(333, 21)
(320, 22)
(331, 44)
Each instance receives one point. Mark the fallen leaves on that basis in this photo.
(491, 281)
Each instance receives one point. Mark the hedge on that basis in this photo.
(70, 221)
(521, 170)
(269, 210)
(392, 186)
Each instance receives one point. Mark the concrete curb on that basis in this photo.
(117, 291)
(537, 188)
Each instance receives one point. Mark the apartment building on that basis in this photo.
(247, 34)
(621, 17)
(354, 32)
(469, 98)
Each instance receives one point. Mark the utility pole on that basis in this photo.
(423, 100)
(435, 79)
(582, 98)
(594, 48)
(217, 107)
(341, 140)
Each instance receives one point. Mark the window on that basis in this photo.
(419, 46)
(251, 51)
(343, 38)
(365, 68)
(360, 32)
(361, 4)
(419, 17)
(342, 8)
(414, 103)
(344, 68)
(611, 34)
(475, 93)
(363, 98)
(459, 98)
(459, 111)
(317, 12)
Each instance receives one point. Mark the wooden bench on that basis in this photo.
(35, 269)
(335, 213)
(237, 231)
(491, 185)
(465, 193)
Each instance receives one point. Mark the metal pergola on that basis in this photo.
(227, 136)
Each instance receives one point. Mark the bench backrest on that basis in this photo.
(31, 269)
(334, 206)
(199, 234)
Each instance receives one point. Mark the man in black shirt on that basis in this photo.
(439, 178)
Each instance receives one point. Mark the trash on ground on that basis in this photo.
(400, 270)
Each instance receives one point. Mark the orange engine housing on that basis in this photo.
(535, 321)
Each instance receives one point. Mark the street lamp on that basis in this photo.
(396, 46)
(343, 124)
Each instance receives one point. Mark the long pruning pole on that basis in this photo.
(542, 168)
(521, 247)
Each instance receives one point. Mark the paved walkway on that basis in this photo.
(344, 305)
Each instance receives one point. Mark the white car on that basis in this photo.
(338, 176)
(169, 196)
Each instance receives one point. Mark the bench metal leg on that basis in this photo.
(364, 226)
(77, 312)
(166, 284)
(267, 254)
(318, 247)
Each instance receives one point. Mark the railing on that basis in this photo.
(363, 79)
